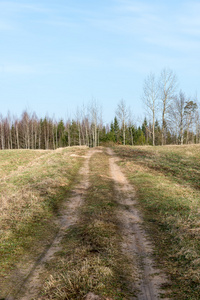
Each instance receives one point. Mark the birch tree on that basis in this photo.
(189, 111)
(95, 118)
(197, 125)
(177, 115)
(2, 132)
(150, 99)
(167, 89)
(122, 114)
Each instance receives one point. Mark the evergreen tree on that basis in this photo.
(140, 137)
(145, 130)
(116, 130)
(158, 137)
(61, 134)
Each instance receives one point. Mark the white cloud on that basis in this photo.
(60, 22)
(174, 42)
(18, 69)
(158, 24)
(85, 61)
(11, 7)
(130, 18)
(4, 25)
(188, 18)
(27, 69)
(12, 14)
(127, 6)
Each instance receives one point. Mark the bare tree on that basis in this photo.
(9, 121)
(78, 121)
(197, 125)
(68, 129)
(26, 130)
(150, 99)
(86, 130)
(131, 125)
(167, 88)
(2, 132)
(16, 125)
(177, 115)
(197, 119)
(122, 114)
(36, 130)
(189, 111)
(94, 124)
(95, 117)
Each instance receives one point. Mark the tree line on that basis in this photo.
(177, 113)
(31, 132)
(171, 118)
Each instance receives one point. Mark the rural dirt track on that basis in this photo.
(135, 245)
(31, 283)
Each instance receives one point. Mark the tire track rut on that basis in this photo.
(136, 244)
(31, 284)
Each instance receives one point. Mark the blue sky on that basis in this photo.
(57, 55)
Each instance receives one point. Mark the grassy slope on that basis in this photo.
(167, 181)
(31, 185)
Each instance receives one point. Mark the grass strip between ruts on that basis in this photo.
(91, 259)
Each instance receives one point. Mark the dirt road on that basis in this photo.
(136, 244)
(31, 283)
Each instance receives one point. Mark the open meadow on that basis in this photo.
(72, 226)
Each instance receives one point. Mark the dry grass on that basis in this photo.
(33, 184)
(167, 181)
(16, 160)
(91, 260)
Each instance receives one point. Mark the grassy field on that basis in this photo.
(33, 187)
(167, 182)
(32, 183)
